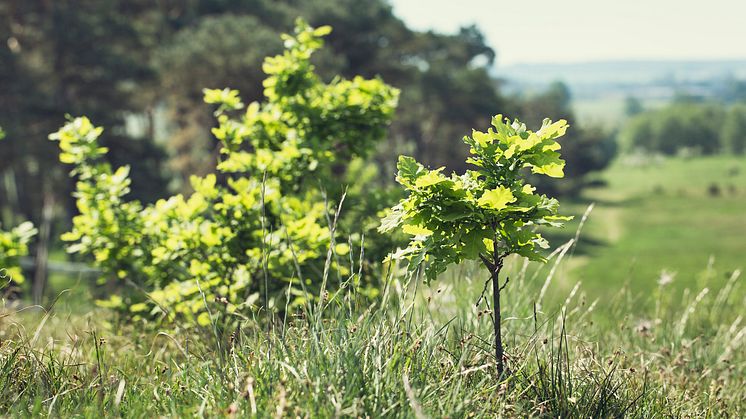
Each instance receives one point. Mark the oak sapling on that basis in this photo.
(485, 214)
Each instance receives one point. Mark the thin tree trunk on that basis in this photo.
(497, 320)
(11, 194)
(42, 249)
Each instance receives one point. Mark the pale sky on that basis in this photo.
(546, 31)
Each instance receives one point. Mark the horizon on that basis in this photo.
(663, 31)
(631, 60)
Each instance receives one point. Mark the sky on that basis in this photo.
(564, 31)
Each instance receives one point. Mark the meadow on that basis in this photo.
(606, 338)
(678, 218)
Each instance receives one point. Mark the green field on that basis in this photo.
(661, 216)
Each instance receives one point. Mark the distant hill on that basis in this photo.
(599, 88)
(592, 78)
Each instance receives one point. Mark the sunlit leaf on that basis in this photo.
(416, 230)
(496, 199)
(430, 178)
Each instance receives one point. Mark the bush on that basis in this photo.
(262, 227)
(13, 246)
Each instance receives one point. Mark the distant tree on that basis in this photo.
(637, 132)
(453, 92)
(70, 57)
(690, 125)
(685, 97)
(633, 106)
(679, 126)
(590, 150)
(734, 90)
(734, 130)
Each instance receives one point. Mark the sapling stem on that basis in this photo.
(497, 319)
(495, 268)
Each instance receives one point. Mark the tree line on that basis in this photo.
(690, 127)
(139, 67)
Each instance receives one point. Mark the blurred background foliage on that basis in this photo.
(138, 67)
(689, 126)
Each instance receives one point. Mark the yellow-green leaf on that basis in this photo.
(482, 138)
(552, 131)
(136, 308)
(416, 230)
(510, 152)
(496, 199)
(431, 178)
(322, 30)
(529, 142)
(114, 301)
(203, 319)
(552, 170)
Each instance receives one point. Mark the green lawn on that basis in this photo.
(661, 216)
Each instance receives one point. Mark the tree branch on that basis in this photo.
(507, 279)
(487, 262)
(484, 291)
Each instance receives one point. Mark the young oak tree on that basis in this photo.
(485, 214)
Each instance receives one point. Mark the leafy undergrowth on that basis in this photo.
(417, 353)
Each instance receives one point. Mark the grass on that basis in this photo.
(421, 352)
(592, 334)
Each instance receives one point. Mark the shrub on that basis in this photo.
(13, 246)
(262, 226)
